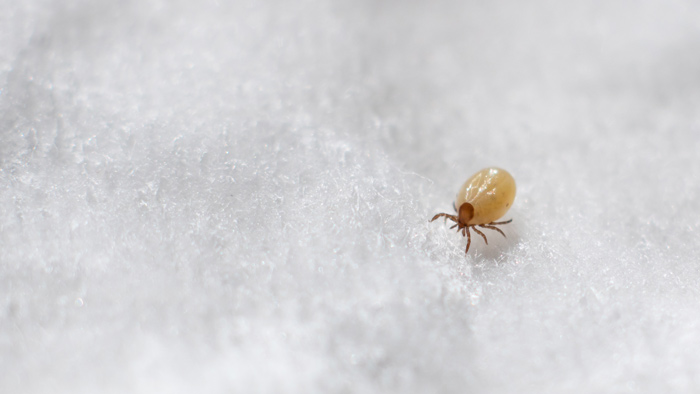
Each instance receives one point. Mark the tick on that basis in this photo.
(484, 198)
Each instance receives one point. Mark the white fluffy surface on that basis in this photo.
(233, 196)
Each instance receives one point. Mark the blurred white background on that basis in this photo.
(233, 196)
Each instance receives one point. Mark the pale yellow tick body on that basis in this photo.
(485, 197)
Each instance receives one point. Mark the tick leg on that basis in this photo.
(493, 228)
(454, 227)
(469, 240)
(454, 206)
(482, 235)
(506, 222)
(446, 216)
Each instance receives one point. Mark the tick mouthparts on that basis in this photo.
(466, 212)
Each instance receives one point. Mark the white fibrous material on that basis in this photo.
(233, 197)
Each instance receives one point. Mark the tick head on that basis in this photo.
(466, 213)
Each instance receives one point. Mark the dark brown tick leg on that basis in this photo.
(493, 228)
(482, 235)
(469, 240)
(454, 227)
(506, 222)
(454, 206)
(446, 216)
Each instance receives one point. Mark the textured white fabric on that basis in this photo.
(233, 196)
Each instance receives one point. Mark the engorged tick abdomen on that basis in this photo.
(490, 191)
